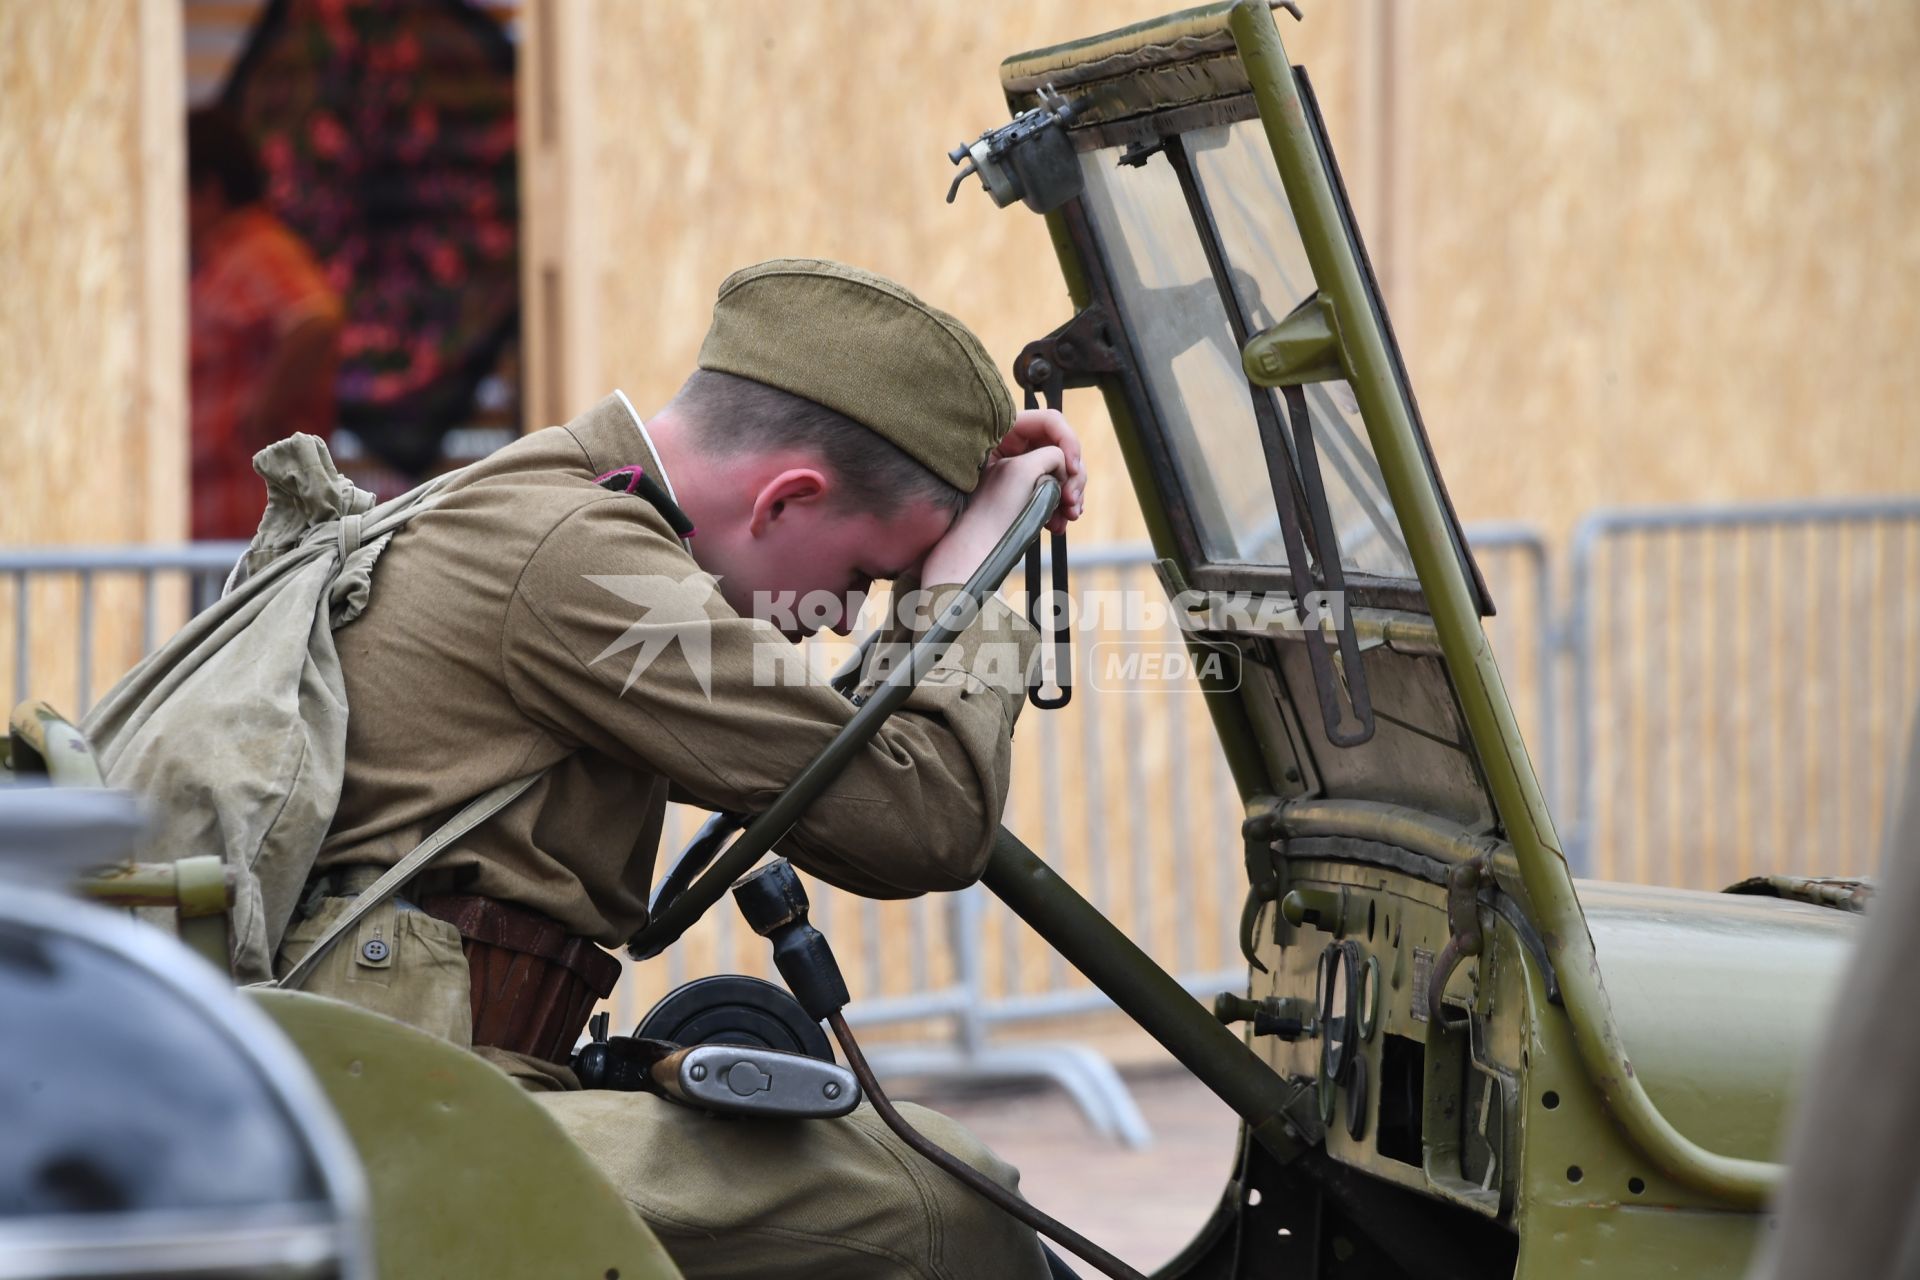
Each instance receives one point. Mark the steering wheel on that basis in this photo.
(702, 872)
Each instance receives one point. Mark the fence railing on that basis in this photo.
(1742, 682)
(94, 612)
(1732, 685)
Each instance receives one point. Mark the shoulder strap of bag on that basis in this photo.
(355, 530)
(476, 811)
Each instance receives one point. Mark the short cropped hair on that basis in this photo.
(218, 150)
(730, 413)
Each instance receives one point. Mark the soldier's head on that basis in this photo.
(794, 497)
(831, 433)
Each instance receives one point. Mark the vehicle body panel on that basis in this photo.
(1722, 998)
(469, 1176)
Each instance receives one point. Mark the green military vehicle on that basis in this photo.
(1449, 1060)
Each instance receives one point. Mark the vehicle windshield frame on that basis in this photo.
(1089, 239)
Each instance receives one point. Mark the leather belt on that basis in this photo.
(352, 879)
(533, 983)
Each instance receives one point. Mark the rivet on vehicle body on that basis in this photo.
(698, 1071)
(831, 1088)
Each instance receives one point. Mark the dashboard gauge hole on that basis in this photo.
(1636, 1185)
(1338, 987)
(1369, 997)
(1403, 1069)
(1357, 1099)
(1550, 1100)
(1575, 1173)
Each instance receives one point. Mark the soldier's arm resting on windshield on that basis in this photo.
(615, 641)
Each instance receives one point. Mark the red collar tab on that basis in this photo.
(636, 481)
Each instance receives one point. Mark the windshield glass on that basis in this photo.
(1189, 358)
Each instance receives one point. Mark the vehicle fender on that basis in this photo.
(469, 1176)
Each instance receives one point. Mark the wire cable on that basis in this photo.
(1061, 1234)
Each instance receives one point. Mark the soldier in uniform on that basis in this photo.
(837, 430)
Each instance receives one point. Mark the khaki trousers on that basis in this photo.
(730, 1198)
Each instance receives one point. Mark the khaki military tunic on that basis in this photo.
(484, 656)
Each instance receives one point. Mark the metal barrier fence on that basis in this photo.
(1743, 679)
(1124, 789)
(1687, 629)
(142, 593)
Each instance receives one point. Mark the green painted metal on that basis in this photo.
(469, 1177)
(205, 888)
(199, 890)
(1721, 992)
(1548, 884)
(1564, 1239)
(1316, 908)
(197, 885)
(1388, 824)
(1089, 49)
(1304, 347)
(42, 741)
(1277, 1112)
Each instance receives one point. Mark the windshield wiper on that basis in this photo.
(1343, 445)
(1293, 470)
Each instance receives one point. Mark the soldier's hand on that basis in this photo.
(1004, 491)
(1035, 428)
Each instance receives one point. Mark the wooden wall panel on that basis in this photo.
(93, 359)
(729, 134)
(92, 355)
(560, 253)
(1663, 253)
(1658, 254)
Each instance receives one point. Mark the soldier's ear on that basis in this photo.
(785, 494)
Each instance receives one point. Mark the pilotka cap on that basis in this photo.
(867, 349)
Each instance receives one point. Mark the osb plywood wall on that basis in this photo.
(1662, 253)
(1637, 254)
(729, 134)
(92, 347)
(90, 386)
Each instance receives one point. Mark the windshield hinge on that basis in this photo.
(1073, 355)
